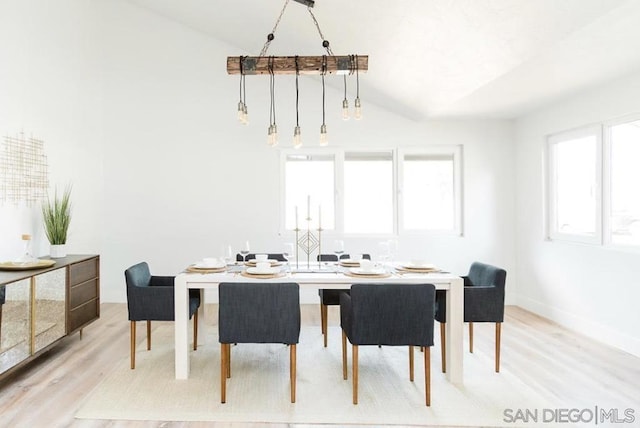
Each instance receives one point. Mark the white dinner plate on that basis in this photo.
(424, 266)
(268, 271)
(254, 261)
(209, 265)
(358, 271)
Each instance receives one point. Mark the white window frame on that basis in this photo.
(607, 184)
(337, 175)
(394, 184)
(456, 153)
(552, 233)
(397, 157)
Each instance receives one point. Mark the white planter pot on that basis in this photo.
(58, 251)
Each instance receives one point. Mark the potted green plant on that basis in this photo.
(56, 215)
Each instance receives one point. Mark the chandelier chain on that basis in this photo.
(325, 42)
(270, 36)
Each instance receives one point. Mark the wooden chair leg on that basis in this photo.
(323, 321)
(354, 368)
(344, 355)
(148, 335)
(195, 330)
(498, 334)
(228, 361)
(292, 371)
(411, 363)
(133, 345)
(427, 374)
(223, 372)
(471, 337)
(443, 346)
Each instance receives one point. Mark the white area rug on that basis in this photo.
(258, 390)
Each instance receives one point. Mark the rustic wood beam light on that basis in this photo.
(344, 64)
(328, 64)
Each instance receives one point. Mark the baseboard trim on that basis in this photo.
(586, 327)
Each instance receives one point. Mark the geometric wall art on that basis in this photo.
(23, 170)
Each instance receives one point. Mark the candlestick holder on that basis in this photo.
(309, 241)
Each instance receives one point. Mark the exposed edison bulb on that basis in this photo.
(345, 109)
(323, 135)
(245, 114)
(275, 135)
(272, 137)
(358, 109)
(297, 138)
(241, 112)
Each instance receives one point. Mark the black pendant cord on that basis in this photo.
(297, 94)
(324, 71)
(272, 107)
(273, 91)
(241, 74)
(357, 79)
(344, 77)
(270, 96)
(244, 91)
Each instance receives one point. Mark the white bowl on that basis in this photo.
(210, 262)
(367, 265)
(263, 266)
(421, 264)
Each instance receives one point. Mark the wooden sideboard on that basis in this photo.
(40, 307)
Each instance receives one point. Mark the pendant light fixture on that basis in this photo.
(272, 65)
(357, 114)
(272, 138)
(297, 137)
(323, 128)
(242, 106)
(345, 102)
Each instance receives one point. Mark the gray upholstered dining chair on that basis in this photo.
(390, 315)
(258, 312)
(151, 298)
(483, 302)
(330, 296)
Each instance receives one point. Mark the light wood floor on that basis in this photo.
(566, 367)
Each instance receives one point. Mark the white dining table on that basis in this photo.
(318, 280)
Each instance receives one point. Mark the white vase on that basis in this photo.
(58, 251)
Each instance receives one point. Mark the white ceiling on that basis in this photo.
(441, 58)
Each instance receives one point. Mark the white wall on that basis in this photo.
(49, 88)
(591, 289)
(177, 178)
